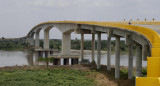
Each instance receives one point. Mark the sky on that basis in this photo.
(17, 17)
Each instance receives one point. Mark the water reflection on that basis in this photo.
(12, 58)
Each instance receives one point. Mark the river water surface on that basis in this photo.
(12, 58)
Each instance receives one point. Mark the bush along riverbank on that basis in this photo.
(76, 75)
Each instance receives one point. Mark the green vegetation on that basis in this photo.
(11, 45)
(45, 77)
(57, 44)
(46, 60)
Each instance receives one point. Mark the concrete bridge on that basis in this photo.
(143, 34)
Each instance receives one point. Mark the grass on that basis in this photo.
(47, 77)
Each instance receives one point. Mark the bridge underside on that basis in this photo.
(147, 43)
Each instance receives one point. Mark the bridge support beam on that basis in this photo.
(117, 58)
(62, 61)
(37, 39)
(93, 46)
(130, 61)
(82, 46)
(66, 43)
(130, 43)
(138, 60)
(46, 39)
(98, 50)
(144, 52)
(109, 53)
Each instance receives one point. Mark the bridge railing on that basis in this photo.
(140, 22)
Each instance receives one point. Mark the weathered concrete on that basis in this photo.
(70, 61)
(62, 61)
(82, 46)
(37, 39)
(109, 53)
(130, 61)
(130, 43)
(138, 60)
(144, 52)
(46, 39)
(117, 58)
(98, 50)
(93, 46)
(66, 43)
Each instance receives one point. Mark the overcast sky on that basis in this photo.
(17, 17)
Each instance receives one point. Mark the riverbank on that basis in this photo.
(76, 75)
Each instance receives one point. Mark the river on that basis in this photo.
(12, 58)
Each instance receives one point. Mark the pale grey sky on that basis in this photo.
(17, 17)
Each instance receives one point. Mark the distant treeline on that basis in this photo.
(57, 44)
(75, 44)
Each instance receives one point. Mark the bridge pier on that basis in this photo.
(93, 46)
(130, 43)
(130, 61)
(46, 39)
(144, 52)
(62, 61)
(117, 58)
(138, 60)
(98, 50)
(66, 43)
(82, 46)
(37, 39)
(109, 53)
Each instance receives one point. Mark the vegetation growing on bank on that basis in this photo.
(47, 77)
(77, 75)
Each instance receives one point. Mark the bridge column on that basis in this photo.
(130, 61)
(138, 60)
(82, 46)
(46, 39)
(109, 53)
(93, 46)
(144, 52)
(117, 58)
(37, 39)
(98, 50)
(130, 43)
(66, 43)
(62, 61)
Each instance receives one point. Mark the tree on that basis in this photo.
(46, 60)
